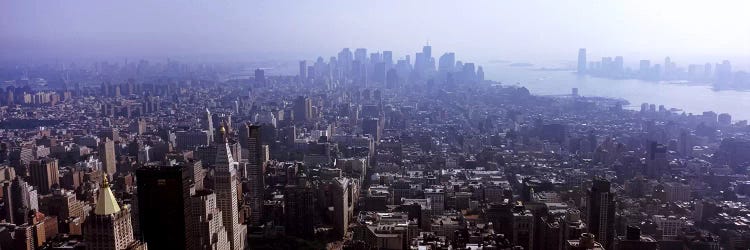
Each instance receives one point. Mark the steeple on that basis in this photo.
(106, 203)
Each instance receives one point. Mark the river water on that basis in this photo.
(690, 98)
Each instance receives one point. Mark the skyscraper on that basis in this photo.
(302, 109)
(447, 63)
(581, 60)
(206, 124)
(299, 209)
(107, 156)
(44, 174)
(20, 198)
(302, 70)
(656, 161)
(388, 59)
(163, 208)
(360, 54)
(108, 227)
(225, 186)
(391, 79)
(207, 228)
(255, 173)
(601, 212)
(260, 76)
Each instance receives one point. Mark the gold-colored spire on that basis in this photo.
(106, 203)
(105, 182)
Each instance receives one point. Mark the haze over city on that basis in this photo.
(374, 125)
(479, 30)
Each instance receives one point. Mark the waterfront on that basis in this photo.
(690, 98)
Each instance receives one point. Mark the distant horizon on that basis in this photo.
(279, 30)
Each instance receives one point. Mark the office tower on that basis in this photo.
(310, 72)
(446, 63)
(63, 205)
(207, 123)
(618, 66)
(225, 186)
(427, 52)
(723, 72)
(302, 70)
(581, 61)
(345, 60)
(601, 212)
(391, 79)
(437, 199)
(342, 204)
(668, 67)
(302, 109)
(480, 74)
(208, 232)
(108, 227)
(634, 240)
(523, 227)
(44, 174)
(20, 198)
(469, 73)
(260, 76)
(372, 127)
(388, 58)
(656, 160)
(360, 54)
(379, 72)
(375, 58)
(189, 140)
(107, 157)
(255, 173)
(163, 207)
(299, 209)
(644, 69)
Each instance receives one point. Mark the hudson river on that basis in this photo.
(689, 98)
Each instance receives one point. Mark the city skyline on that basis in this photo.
(232, 31)
(348, 125)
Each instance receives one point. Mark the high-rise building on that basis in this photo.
(163, 207)
(656, 160)
(601, 212)
(299, 209)
(447, 62)
(63, 205)
(391, 79)
(44, 174)
(107, 156)
(388, 59)
(360, 54)
(302, 109)
(644, 69)
(206, 124)
(302, 70)
(372, 127)
(109, 227)
(255, 173)
(207, 228)
(225, 186)
(581, 60)
(189, 140)
(20, 198)
(523, 227)
(260, 76)
(342, 204)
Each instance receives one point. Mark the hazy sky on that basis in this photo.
(477, 30)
